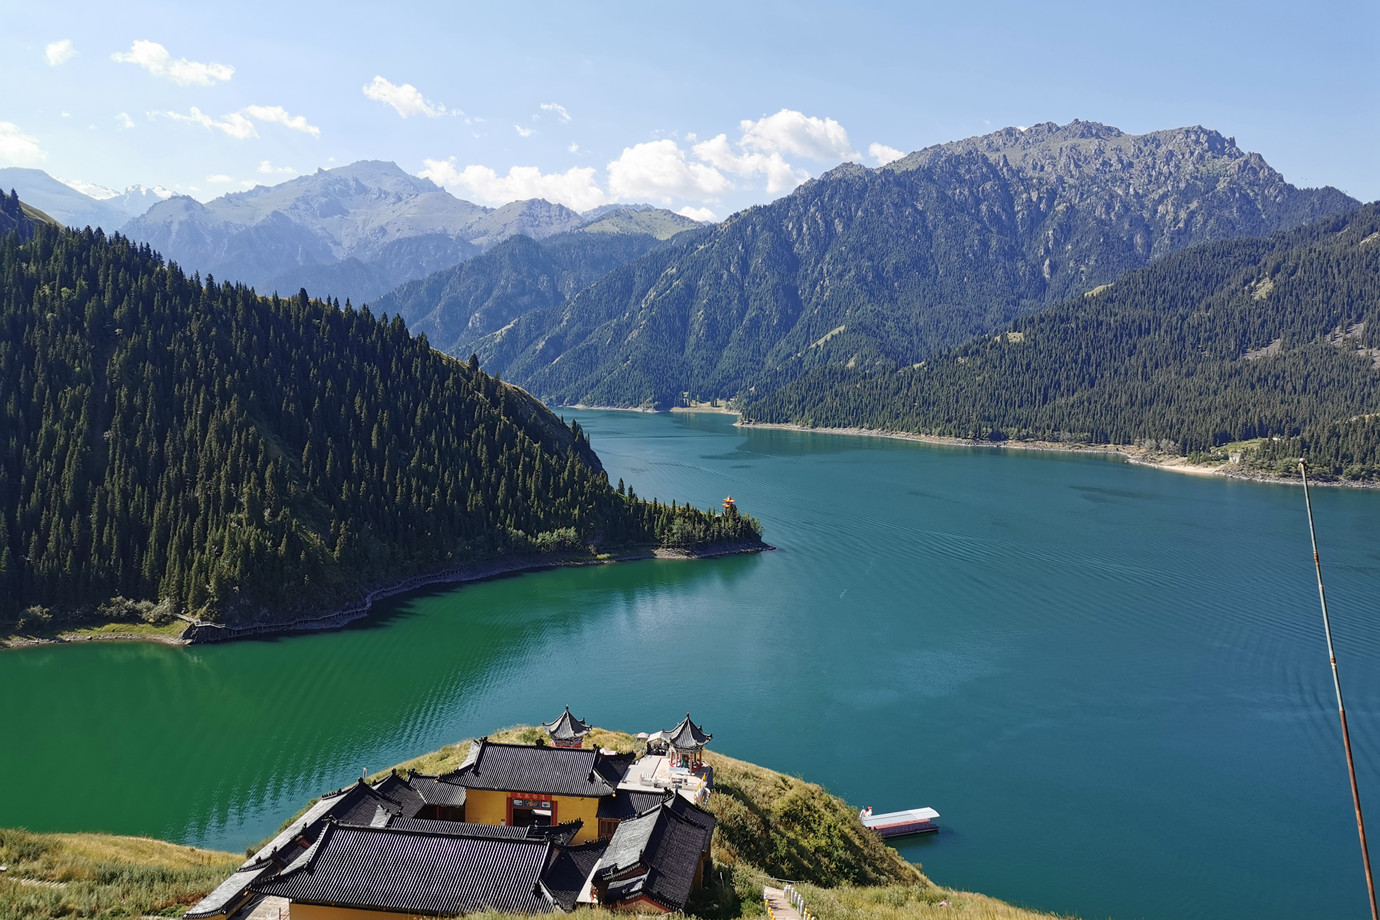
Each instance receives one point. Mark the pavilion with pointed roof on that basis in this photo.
(566, 731)
(688, 739)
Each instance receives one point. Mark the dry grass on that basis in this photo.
(102, 876)
(789, 828)
(901, 902)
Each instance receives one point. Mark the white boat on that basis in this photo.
(902, 823)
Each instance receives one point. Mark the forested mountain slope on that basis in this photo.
(876, 268)
(242, 458)
(458, 306)
(1275, 339)
(18, 217)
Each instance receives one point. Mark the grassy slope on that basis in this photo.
(771, 826)
(99, 875)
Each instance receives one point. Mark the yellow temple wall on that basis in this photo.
(486, 806)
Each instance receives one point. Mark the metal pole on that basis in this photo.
(1337, 684)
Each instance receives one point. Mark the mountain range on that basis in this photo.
(92, 207)
(1261, 350)
(354, 232)
(879, 268)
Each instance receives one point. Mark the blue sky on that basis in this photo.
(707, 107)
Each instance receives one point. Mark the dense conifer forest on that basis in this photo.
(1265, 350)
(170, 444)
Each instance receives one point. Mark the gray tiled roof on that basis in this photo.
(356, 804)
(539, 769)
(396, 787)
(415, 790)
(628, 802)
(230, 890)
(629, 842)
(436, 791)
(663, 847)
(687, 736)
(691, 812)
(566, 727)
(463, 828)
(415, 872)
(566, 876)
(558, 833)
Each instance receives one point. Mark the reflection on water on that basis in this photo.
(1108, 679)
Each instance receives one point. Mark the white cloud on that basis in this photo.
(406, 99)
(574, 148)
(238, 124)
(522, 132)
(792, 132)
(219, 179)
(658, 170)
(276, 114)
(59, 52)
(883, 154)
(234, 124)
(781, 176)
(154, 58)
(268, 169)
(575, 188)
(124, 120)
(559, 111)
(16, 147)
(703, 214)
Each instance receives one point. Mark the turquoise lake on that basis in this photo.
(1110, 680)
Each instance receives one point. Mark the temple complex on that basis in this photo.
(537, 828)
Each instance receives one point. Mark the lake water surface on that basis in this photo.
(1110, 680)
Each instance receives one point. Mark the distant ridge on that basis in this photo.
(62, 202)
(878, 268)
(457, 305)
(355, 231)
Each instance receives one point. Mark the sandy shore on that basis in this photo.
(198, 633)
(1134, 455)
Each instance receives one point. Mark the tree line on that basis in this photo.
(180, 445)
(1275, 342)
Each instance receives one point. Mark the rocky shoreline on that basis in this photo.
(202, 632)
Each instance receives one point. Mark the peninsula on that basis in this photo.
(764, 827)
(187, 451)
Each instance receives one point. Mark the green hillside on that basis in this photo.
(172, 445)
(1262, 350)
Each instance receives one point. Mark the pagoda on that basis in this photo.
(688, 740)
(566, 731)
